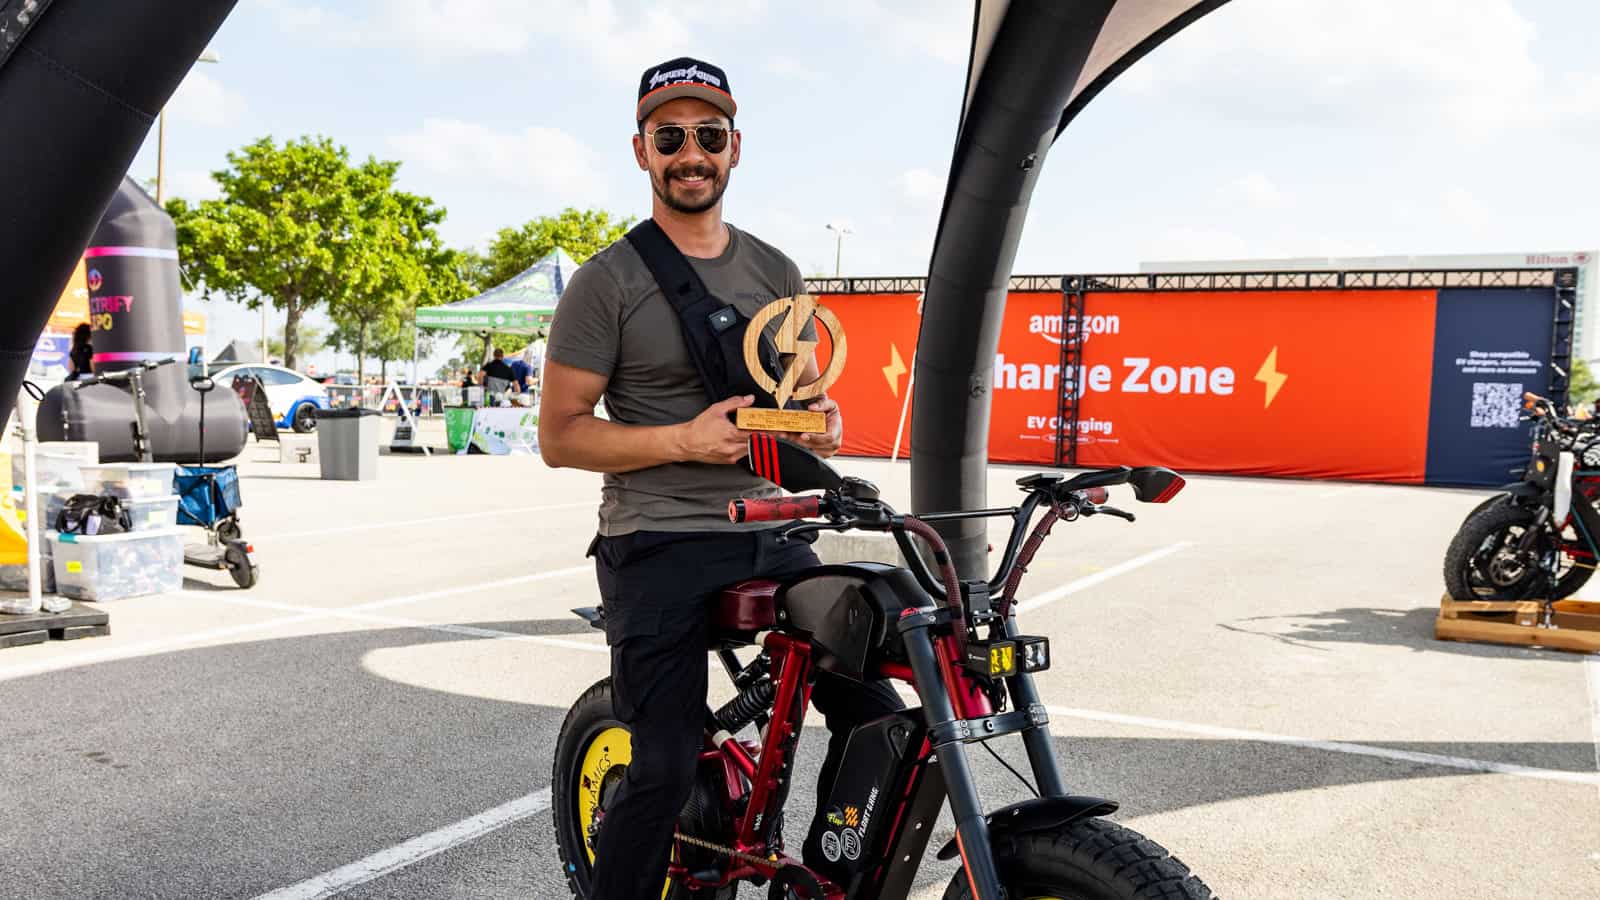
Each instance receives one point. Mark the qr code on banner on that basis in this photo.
(1495, 404)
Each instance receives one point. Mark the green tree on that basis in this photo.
(311, 340)
(581, 233)
(418, 270)
(1582, 389)
(300, 227)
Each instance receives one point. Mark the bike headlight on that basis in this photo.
(1035, 653)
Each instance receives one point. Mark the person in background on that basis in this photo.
(81, 354)
(497, 368)
(522, 373)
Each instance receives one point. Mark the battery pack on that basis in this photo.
(847, 835)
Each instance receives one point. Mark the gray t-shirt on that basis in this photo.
(613, 320)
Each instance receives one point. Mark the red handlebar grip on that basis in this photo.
(780, 508)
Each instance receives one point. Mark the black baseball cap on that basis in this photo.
(684, 77)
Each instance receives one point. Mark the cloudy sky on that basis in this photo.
(1272, 128)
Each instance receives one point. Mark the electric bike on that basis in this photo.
(955, 642)
(1536, 539)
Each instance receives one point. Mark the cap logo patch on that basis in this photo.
(690, 74)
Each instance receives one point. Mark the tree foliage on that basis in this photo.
(301, 227)
(1582, 389)
(581, 233)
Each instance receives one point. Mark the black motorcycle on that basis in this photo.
(1536, 539)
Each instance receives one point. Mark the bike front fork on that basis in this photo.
(948, 733)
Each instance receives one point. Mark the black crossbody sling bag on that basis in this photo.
(713, 330)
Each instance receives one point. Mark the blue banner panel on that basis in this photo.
(1489, 346)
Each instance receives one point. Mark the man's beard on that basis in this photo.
(664, 190)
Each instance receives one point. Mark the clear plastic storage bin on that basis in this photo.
(51, 471)
(144, 515)
(113, 566)
(130, 481)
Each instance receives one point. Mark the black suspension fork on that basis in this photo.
(1035, 739)
(972, 830)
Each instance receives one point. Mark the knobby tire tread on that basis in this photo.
(1121, 864)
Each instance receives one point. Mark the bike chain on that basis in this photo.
(726, 851)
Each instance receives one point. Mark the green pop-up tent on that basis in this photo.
(523, 305)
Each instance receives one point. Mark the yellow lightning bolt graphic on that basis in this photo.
(1271, 377)
(788, 341)
(894, 369)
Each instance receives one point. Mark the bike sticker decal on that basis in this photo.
(852, 844)
(830, 846)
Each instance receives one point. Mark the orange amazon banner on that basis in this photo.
(1306, 383)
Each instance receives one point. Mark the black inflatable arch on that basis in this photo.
(1015, 107)
(81, 82)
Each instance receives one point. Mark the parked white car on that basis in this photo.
(294, 398)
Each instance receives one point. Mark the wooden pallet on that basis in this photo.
(1574, 624)
(78, 622)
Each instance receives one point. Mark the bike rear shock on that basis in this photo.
(743, 709)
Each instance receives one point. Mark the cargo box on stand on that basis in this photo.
(114, 566)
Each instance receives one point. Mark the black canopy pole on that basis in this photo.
(1024, 84)
(78, 93)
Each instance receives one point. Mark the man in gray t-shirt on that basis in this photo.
(665, 545)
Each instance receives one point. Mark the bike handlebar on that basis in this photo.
(121, 376)
(774, 510)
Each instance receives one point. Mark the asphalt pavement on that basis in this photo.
(1249, 670)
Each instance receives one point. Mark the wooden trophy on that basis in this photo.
(801, 308)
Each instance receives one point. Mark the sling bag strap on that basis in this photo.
(701, 317)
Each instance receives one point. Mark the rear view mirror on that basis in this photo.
(1155, 484)
(789, 466)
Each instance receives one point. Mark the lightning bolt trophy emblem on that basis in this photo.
(798, 311)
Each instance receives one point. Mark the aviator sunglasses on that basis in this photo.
(669, 139)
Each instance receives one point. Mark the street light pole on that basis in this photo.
(209, 56)
(838, 248)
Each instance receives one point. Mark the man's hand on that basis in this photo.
(827, 443)
(712, 437)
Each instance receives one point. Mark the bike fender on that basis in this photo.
(1521, 490)
(1038, 814)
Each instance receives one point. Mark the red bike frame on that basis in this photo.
(762, 764)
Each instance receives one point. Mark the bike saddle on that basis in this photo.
(739, 611)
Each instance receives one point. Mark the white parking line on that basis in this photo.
(415, 850)
(1241, 734)
(301, 614)
(147, 648)
(1089, 581)
(429, 520)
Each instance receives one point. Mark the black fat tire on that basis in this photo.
(1488, 521)
(305, 419)
(588, 717)
(1090, 859)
